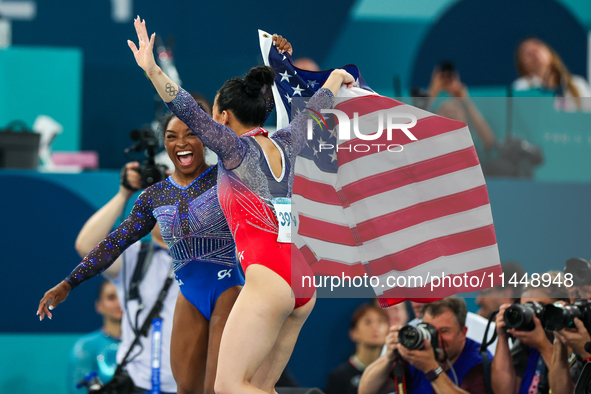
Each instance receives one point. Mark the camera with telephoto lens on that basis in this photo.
(580, 269)
(151, 173)
(413, 337)
(560, 316)
(521, 316)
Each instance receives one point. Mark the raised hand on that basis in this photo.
(282, 44)
(337, 78)
(52, 298)
(144, 56)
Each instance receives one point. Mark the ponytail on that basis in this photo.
(246, 98)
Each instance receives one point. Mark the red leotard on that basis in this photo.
(246, 186)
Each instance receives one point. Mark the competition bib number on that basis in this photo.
(287, 218)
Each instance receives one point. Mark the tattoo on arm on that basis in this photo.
(171, 90)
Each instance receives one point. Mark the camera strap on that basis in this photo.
(486, 361)
(154, 313)
(144, 259)
(399, 373)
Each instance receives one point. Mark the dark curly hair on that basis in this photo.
(245, 97)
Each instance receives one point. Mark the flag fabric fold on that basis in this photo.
(412, 214)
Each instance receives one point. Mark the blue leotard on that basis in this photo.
(194, 228)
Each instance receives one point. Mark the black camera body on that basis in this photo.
(151, 173)
(521, 316)
(560, 316)
(580, 269)
(412, 337)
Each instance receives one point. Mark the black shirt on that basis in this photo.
(344, 379)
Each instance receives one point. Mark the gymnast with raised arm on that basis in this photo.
(254, 170)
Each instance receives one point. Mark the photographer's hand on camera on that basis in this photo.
(536, 338)
(575, 338)
(131, 179)
(559, 375)
(392, 343)
(456, 88)
(376, 377)
(500, 324)
(422, 359)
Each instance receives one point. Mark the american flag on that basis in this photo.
(416, 214)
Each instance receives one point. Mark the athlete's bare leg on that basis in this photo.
(217, 323)
(252, 330)
(188, 347)
(270, 371)
(195, 343)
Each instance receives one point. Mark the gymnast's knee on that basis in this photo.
(223, 386)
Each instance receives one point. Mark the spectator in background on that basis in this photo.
(398, 315)
(445, 79)
(540, 67)
(416, 308)
(489, 300)
(369, 327)
(523, 369)
(96, 352)
(305, 63)
(459, 362)
(203, 101)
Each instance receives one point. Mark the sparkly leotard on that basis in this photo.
(246, 186)
(194, 228)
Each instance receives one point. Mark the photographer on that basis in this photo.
(569, 343)
(155, 262)
(523, 369)
(455, 367)
(490, 300)
(446, 79)
(564, 368)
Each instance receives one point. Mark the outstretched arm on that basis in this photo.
(138, 224)
(217, 137)
(98, 226)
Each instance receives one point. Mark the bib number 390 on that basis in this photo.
(286, 218)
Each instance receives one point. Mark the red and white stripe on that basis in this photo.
(420, 212)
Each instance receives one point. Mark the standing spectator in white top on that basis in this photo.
(540, 67)
(156, 264)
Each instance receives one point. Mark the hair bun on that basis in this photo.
(257, 78)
